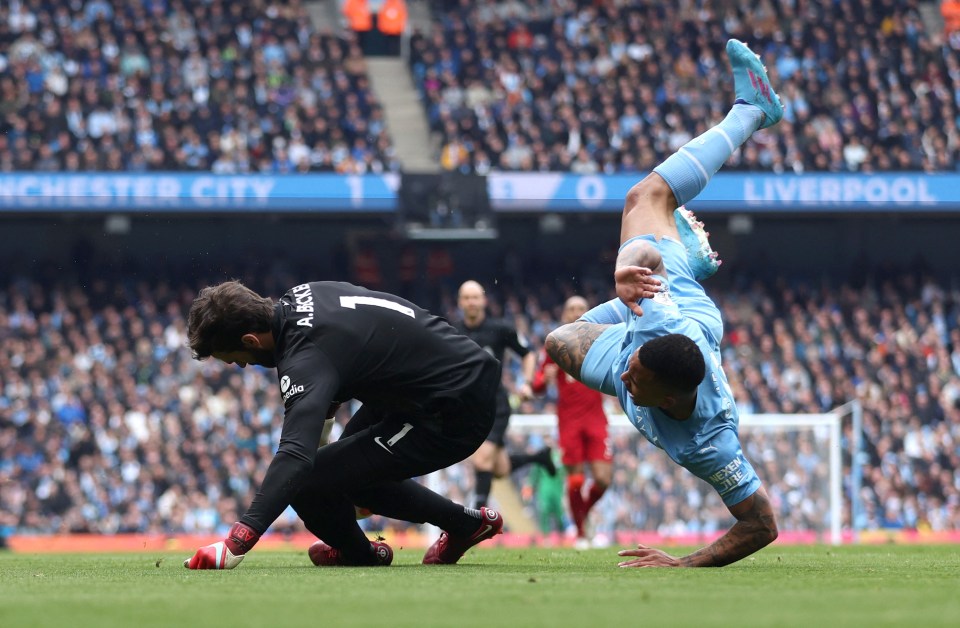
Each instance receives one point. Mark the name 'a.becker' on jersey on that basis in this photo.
(383, 350)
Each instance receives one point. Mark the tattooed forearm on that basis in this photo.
(756, 528)
(568, 345)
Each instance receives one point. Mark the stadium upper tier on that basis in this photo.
(196, 85)
(567, 85)
(561, 85)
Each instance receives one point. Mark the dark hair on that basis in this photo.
(675, 360)
(222, 314)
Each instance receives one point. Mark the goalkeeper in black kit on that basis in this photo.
(428, 401)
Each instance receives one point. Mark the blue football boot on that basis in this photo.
(704, 261)
(751, 83)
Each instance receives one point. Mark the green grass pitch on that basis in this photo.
(814, 586)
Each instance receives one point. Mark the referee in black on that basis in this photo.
(495, 337)
(428, 396)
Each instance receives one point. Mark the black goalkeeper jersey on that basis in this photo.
(337, 341)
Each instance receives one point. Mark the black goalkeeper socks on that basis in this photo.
(484, 481)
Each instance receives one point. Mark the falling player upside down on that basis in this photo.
(657, 346)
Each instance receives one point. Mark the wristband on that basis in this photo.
(241, 538)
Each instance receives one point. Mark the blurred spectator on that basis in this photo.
(359, 20)
(950, 10)
(392, 22)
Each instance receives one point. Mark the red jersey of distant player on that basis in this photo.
(581, 421)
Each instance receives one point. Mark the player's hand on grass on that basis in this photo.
(635, 283)
(645, 556)
(225, 554)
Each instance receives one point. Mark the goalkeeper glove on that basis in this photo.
(225, 554)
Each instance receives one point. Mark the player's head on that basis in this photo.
(472, 300)
(573, 308)
(229, 321)
(664, 370)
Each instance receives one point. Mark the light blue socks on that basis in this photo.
(689, 170)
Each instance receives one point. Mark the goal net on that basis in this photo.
(798, 458)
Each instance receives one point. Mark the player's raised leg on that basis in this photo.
(650, 205)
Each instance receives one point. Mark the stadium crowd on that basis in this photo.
(610, 86)
(183, 85)
(108, 425)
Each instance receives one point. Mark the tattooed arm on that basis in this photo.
(756, 527)
(568, 345)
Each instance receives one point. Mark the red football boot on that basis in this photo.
(322, 555)
(448, 549)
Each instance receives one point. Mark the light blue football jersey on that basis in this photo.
(707, 443)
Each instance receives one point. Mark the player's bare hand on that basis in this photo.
(526, 392)
(645, 556)
(635, 283)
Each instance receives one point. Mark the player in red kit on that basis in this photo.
(582, 428)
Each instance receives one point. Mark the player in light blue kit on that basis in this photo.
(657, 347)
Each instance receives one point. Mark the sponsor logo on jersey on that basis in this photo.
(288, 388)
(729, 476)
(303, 303)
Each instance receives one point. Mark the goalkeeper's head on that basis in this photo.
(233, 324)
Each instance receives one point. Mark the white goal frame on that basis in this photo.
(832, 421)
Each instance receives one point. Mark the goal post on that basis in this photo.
(823, 445)
(830, 422)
